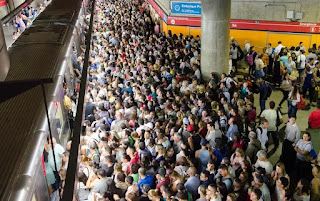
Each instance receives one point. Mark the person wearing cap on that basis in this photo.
(194, 139)
(203, 155)
(162, 178)
(253, 147)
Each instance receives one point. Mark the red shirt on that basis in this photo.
(133, 160)
(314, 119)
(251, 116)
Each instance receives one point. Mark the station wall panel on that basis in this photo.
(257, 38)
(194, 31)
(289, 39)
(315, 39)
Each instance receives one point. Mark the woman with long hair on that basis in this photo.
(302, 192)
(294, 99)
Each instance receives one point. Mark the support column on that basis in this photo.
(11, 5)
(215, 32)
(4, 56)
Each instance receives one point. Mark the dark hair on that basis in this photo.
(206, 173)
(259, 178)
(305, 186)
(82, 178)
(284, 181)
(121, 177)
(129, 179)
(223, 167)
(134, 168)
(101, 172)
(258, 192)
(306, 132)
(272, 104)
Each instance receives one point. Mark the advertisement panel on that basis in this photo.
(186, 8)
(3, 3)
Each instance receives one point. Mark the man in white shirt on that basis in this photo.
(301, 46)
(212, 134)
(271, 116)
(262, 133)
(301, 64)
(196, 71)
(247, 46)
(278, 48)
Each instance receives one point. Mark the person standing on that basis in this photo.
(234, 53)
(251, 58)
(271, 55)
(292, 136)
(307, 84)
(264, 94)
(294, 99)
(286, 87)
(314, 118)
(301, 64)
(277, 71)
(262, 134)
(303, 149)
(272, 116)
(259, 73)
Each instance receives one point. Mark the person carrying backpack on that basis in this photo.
(262, 134)
(250, 60)
(265, 92)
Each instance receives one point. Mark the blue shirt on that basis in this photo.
(147, 180)
(192, 184)
(231, 130)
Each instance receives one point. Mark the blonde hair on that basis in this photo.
(152, 193)
(240, 151)
(282, 167)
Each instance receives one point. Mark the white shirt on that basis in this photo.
(271, 116)
(247, 47)
(278, 49)
(198, 74)
(302, 59)
(262, 137)
(266, 165)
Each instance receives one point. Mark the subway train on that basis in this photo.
(43, 52)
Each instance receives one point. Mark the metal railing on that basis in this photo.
(69, 187)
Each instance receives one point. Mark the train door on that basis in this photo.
(289, 39)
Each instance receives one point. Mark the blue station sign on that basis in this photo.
(186, 8)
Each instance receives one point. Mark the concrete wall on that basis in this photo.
(275, 10)
(270, 10)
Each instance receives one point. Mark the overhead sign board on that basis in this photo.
(3, 3)
(186, 8)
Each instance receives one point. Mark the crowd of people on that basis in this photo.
(25, 18)
(156, 131)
